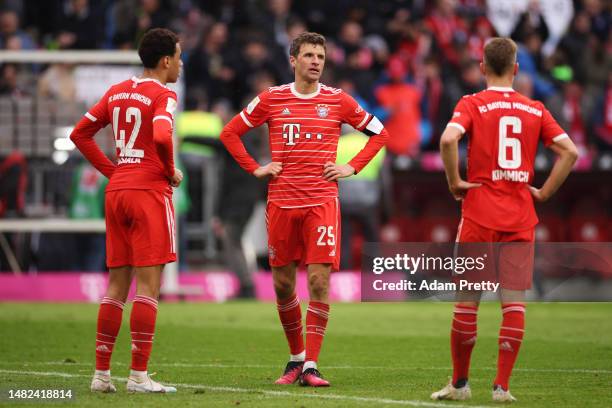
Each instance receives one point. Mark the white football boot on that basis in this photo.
(144, 383)
(499, 395)
(102, 383)
(454, 394)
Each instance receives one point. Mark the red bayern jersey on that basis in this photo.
(304, 132)
(504, 129)
(132, 107)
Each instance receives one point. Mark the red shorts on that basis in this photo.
(305, 235)
(139, 228)
(509, 254)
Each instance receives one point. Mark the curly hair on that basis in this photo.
(155, 44)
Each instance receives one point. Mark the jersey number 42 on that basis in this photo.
(127, 149)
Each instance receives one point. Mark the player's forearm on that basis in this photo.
(449, 150)
(375, 143)
(82, 137)
(234, 146)
(96, 157)
(230, 136)
(558, 174)
(162, 136)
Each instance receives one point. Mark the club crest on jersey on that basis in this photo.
(322, 110)
(271, 252)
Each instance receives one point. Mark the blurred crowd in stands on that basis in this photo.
(409, 61)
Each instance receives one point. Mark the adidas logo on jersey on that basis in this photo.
(286, 111)
(102, 348)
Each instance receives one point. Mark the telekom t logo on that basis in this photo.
(291, 131)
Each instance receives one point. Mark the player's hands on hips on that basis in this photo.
(333, 171)
(271, 169)
(537, 194)
(461, 187)
(175, 180)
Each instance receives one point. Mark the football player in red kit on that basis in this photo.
(304, 120)
(504, 129)
(140, 237)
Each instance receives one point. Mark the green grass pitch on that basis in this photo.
(374, 355)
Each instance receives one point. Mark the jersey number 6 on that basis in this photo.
(506, 143)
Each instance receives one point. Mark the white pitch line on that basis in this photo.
(212, 365)
(413, 403)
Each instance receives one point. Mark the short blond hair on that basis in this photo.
(500, 55)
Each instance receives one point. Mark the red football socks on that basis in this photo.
(316, 322)
(142, 325)
(291, 318)
(510, 339)
(109, 323)
(463, 339)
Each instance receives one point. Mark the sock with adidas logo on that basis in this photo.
(291, 318)
(463, 339)
(317, 316)
(510, 339)
(109, 323)
(142, 325)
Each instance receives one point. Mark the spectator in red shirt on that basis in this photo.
(402, 100)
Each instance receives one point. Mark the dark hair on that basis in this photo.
(306, 38)
(500, 55)
(155, 44)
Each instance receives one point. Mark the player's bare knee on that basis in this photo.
(118, 293)
(146, 286)
(318, 285)
(147, 289)
(119, 281)
(148, 280)
(283, 286)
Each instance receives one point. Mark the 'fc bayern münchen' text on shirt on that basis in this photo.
(504, 129)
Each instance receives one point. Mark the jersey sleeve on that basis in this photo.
(353, 114)
(164, 108)
(551, 131)
(98, 113)
(357, 117)
(462, 116)
(83, 136)
(231, 139)
(163, 124)
(257, 111)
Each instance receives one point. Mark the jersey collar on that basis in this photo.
(305, 96)
(137, 80)
(500, 89)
